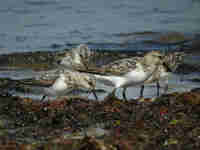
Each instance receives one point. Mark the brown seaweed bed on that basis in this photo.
(171, 121)
(167, 122)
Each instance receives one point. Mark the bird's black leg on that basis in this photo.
(182, 77)
(166, 88)
(43, 97)
(95, 95)
(158, 88)
(124, 94)
(141, 91)
(112, 94)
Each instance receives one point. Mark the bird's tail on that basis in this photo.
(108, 80)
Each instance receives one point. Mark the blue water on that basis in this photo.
(32, 25)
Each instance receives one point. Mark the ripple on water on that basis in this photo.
(41, 2)
(18, 74)
(96, 21)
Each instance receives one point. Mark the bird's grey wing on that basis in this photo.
(121, 67)
(118, 67)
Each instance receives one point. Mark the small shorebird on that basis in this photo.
(162, 73)
(78, 57)
(174, 59)
(126, 72)
(69, 81)
(118, 67)
(172, 62)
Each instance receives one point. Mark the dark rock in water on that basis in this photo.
(55, 46)
(197, 90)
(170, 38)
(136, 33)
(186, 68)
(195, 45)
(34, 60)
(173, 38)
(195, 80)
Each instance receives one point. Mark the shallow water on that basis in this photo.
(32, 25)
(176, 83)
(18, 74)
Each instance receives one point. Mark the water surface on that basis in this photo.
(32, 25)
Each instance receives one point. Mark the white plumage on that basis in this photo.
(140, 71)
(68, 81)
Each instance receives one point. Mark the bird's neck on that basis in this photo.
(77, 58)
(150, 69)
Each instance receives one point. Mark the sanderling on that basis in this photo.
(69, 81)
(118, 67)
(137, 72)
(84, 58)
(78, 57)
(171, 61)
(174, 60)
(162, 73)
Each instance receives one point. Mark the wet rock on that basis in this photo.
(55, 46)
(195, 44)
(186, 68)
(34, 60)
(196, 90)
(173, 38)
(190, 98)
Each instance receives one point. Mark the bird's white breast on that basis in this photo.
(59, 85)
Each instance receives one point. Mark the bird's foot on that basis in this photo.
(124, 96)
(140, 99)
(43, 98)
(111, 96)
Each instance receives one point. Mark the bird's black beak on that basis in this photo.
(58, 61)
(167, 67)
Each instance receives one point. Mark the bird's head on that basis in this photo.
(154, 58)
